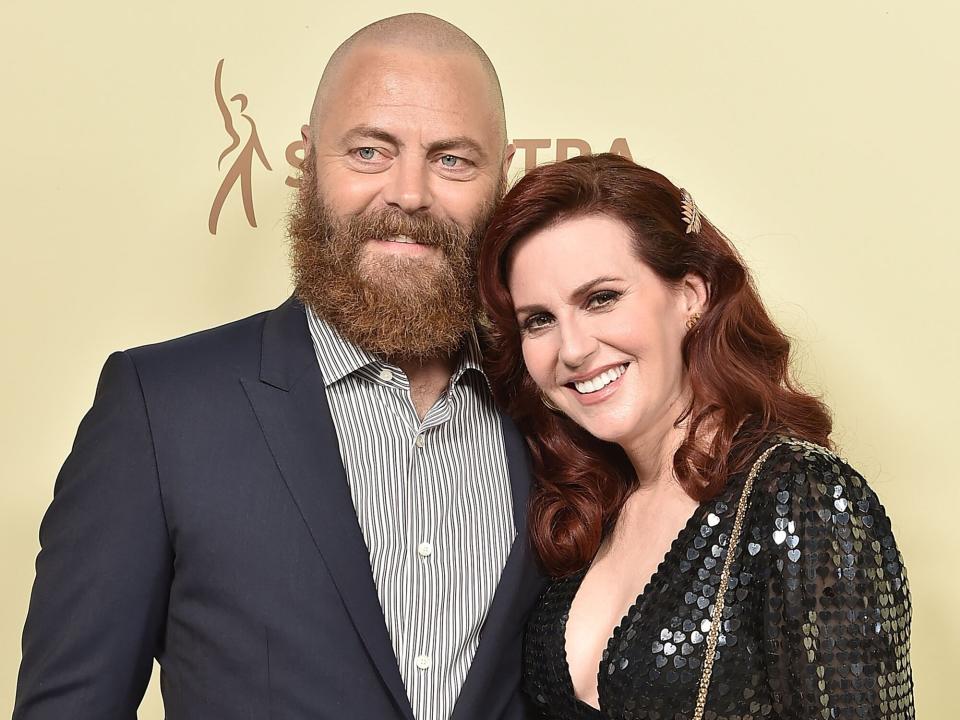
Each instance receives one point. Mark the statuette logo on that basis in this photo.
(241, 168)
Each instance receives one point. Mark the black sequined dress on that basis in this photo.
(816, 624)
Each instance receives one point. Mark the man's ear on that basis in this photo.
(508, 157)
(305, 134)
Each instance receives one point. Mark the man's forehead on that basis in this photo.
(399, 76)
(392, 69)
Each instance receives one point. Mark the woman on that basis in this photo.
(634, 352)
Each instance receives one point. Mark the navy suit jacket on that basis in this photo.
(203, 517)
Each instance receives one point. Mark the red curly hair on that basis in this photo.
(736, 359)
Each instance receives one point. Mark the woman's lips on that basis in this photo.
(598, 396)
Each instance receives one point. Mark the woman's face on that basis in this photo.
(601, 332)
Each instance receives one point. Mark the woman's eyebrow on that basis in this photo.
(528, 310)
(586, 287)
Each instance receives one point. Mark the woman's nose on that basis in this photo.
(576, 345)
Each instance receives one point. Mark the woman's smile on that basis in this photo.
(597, 387)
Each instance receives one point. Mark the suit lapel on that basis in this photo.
(482, 697)
(290, 403)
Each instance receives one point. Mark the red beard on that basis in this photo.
(403, 308)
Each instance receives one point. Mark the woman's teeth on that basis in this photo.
(600, 381)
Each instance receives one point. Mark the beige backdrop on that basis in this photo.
(820, 135)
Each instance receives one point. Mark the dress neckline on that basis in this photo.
(678, 544)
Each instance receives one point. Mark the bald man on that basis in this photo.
(316, 512)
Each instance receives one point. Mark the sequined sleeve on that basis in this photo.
(837, 614)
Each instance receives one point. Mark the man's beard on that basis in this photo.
(406, 308)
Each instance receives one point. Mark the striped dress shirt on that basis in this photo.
(434, 504)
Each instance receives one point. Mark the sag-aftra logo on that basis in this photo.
(244, 153)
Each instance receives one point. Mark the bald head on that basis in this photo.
(411, 32)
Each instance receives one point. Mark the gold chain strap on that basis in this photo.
(717, 618)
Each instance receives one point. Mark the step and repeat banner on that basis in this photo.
(151, 152)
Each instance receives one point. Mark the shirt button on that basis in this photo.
(423, 662)
(424, 549)
(386, 374)
(420, 442)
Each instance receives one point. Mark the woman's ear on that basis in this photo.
(695, 292)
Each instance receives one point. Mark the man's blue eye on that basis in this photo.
(449, 160)
(366, 153)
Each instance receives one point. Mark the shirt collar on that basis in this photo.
(470, 358)
(338, 357)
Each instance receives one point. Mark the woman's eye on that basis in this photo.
(366, 153)
(536, 322)
(602, 298)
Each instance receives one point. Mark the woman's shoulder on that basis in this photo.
(815, 486)
(805, 467)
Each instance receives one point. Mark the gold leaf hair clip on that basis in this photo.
(691, 213)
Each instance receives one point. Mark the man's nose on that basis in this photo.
(408, 187)
(576, 345)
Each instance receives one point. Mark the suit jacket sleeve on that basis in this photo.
(98, 607)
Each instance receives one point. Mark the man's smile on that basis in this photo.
(401, 245)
